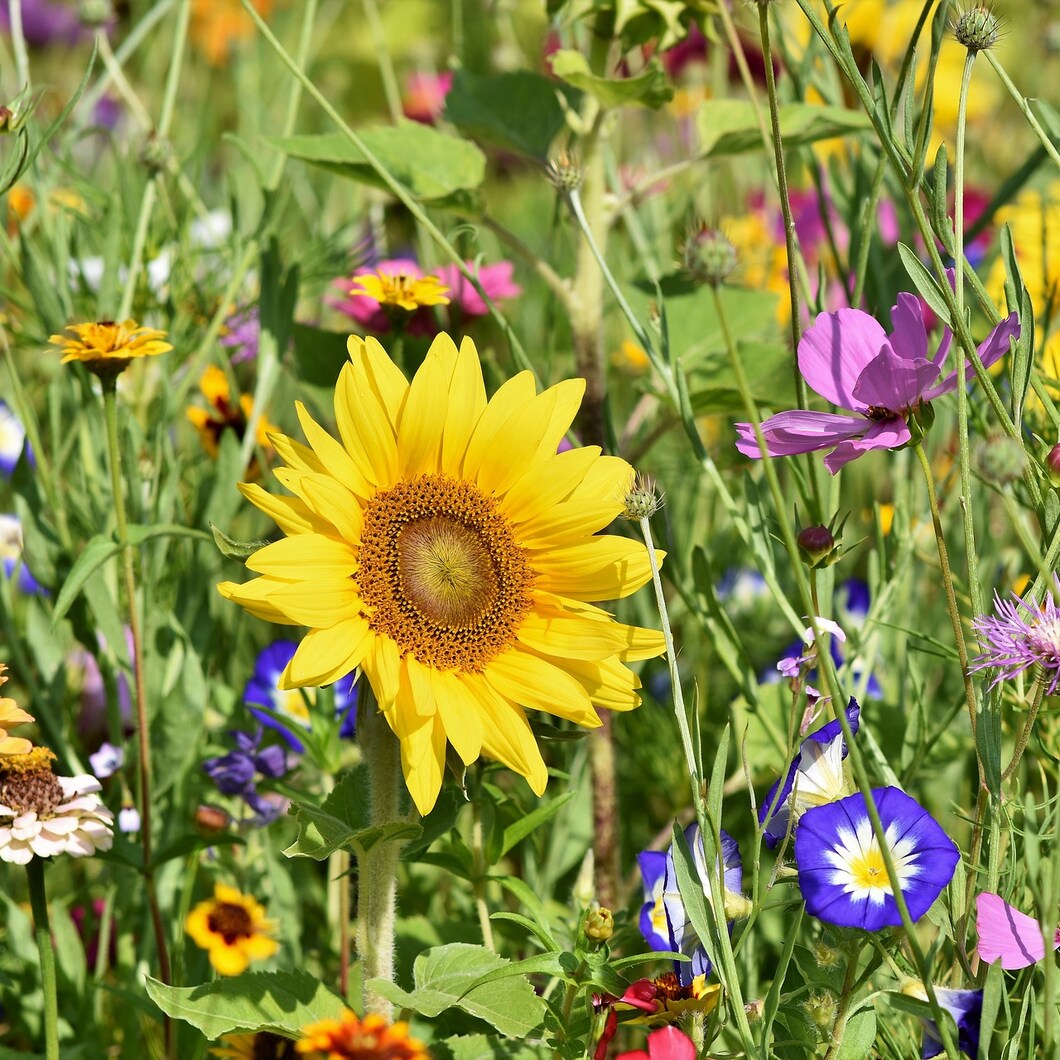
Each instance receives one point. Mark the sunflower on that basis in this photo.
(233, 930)
(108, 347)
(264, 1045)
(351, 1038)
(447, 549)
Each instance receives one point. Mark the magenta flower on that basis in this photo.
(496, 281)
(852, 362)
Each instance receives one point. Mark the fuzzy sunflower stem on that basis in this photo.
(377, 866)
(42, 932)
(110, 415)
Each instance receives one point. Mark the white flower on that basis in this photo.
(107, 760)
(43, 815)
(129, 819)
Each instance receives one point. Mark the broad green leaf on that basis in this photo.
(434, 167)
(858, 1036)
(95, 553)
(518, 110)
(517, 832)
(281, 1002)
(485, 1047)
(444, 978)
(650, 88)
(730, 126)
(319, 354)
(231, 548)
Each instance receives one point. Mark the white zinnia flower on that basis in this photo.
(43, 815)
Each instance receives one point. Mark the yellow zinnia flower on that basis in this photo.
(108, 347)
(11, 714)
(256, 1047)
(351, 1038)
(233, 930)
(400, 291)
(444, 547)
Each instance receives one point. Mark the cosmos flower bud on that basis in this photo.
(817, 545)
(978, 28)
(709, 256)
(600, 924)
(1052, 463)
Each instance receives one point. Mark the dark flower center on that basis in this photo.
(232, 922)
(35, 791)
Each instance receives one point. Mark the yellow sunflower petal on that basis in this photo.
(365, 427)
(532, 682)
(567, 636)
(325, 655)
(252, 596)
(511, 396)
(332, 455)
(548, 483)
(415, 690)
(603, 568)
(458, 710)
(607, 481)
(422, 754)
(467, 402)
(607, 682)
(320, 604)
(507, 735)
(514, 446)
(290, 514)
(566, 522)
(334, 503)
(383, 668)
(386, 379)
(296, 455)
(312, 555)
(419, 437)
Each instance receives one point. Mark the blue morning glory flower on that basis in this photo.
(842, 874)
(653, 924)
(683, 936)
(820, 775)
(263, 690)
(966, 1008)
(12, 561)
(12, 439)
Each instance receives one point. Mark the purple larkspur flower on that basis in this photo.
(966, 1008)
(852, 362)
(263, 690)
(842, 874)
(242, 334)
(237, 773)
(1020, 634)
(816, 774)
(683, 936)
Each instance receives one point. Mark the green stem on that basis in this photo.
(110, 415)
(309, 12)
(377, 867)
(481, 868)
(1024, 107)
(1028, 725)
(845, 997)
(18, 43)
(42, 932)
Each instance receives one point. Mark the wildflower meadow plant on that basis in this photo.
(650, 418)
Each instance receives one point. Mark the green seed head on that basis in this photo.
(709, 256)
(978, 28)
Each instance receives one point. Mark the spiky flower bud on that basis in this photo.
(977, 28)
(821, 1008)
(565, 172)
(709, 256)
(600, 924)
(826, 956)
(642, 501)
(1001, 459)
(95, 13)
(155, 153)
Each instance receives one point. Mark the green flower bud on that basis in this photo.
(600, 924)
(978, 28)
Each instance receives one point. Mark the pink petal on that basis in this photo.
(909, 337)
(798, 431)
(1006, 934)
(836, 350)
(669, 1043)
(496, 281)
(887, 434)
(892, 382)
(990, 350)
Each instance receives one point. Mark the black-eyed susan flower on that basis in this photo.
(222, 414)
(42, 815)
(11, 715)
(233, 930)
(352, 1038)
(447, 549)
(261, 1046)
(106, 348)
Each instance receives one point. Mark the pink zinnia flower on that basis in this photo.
(850, 361)
(496, 281)
(424, 98)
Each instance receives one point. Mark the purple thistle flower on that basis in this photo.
(852, 362)
(842, 874)
(263, 690)
(1020, 634)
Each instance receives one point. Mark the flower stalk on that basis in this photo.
(42, 933)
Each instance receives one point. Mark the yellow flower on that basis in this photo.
(10, 716)
(400, 291)
(631, 357)
(444, 547)
(258, 1046)
(232, 928)
(108, 347)
(223, 415)
(351, 1038)
(218, 24)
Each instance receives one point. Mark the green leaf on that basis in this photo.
(517, 832)
(518, 110)
(281, 1002)
(231, 548)
(434, 167)
(95, 553)
(650, 88)
(923, 281)
(730, 126)
(858, 1036)
(445, 977)
(319, 354)
(485, 1047)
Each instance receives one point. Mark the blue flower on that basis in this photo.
(742, 587)
(966, 1008)
(652, 913)
(842, 874)
(818, 768)
(11, 559)
(12, 440)
(263, 690)
(683, 936)
(236, 773)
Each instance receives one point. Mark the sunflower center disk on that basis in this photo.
(442, 574)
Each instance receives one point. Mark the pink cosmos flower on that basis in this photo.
(852, 362)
